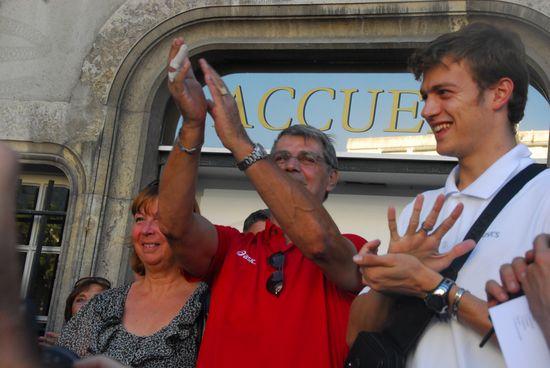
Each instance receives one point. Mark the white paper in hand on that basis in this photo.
(519, 335)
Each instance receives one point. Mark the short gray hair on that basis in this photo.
(307, 132)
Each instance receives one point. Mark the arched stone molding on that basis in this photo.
(126, 68)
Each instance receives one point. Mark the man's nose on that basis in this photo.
(431, 109)
(292, 164)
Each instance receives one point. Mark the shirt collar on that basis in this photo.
(493, 178)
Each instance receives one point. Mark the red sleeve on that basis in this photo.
(226, 236)
(357, 240)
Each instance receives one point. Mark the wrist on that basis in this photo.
(429, 282)
(189, 140)
(256, 153)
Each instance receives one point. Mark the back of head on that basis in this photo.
(491, 53)
(259, 215)
(309, 132)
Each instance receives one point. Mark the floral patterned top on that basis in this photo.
(97, 329)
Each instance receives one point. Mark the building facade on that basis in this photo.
(83, 101)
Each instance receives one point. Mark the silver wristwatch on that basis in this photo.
(258, 153)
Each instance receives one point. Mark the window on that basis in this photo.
(42, 200)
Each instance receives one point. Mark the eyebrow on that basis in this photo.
(437, 87)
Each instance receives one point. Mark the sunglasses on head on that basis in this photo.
(275, 282)
(93, 280)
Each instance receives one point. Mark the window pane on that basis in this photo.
(41, 291)
(55, 224)
(24, 228)
(21, 258)
(27, 196)
(59, 199)
(54, 231)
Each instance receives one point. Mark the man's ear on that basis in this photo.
(502, 92)
(333, 177)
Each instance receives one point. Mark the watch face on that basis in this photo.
(437, 299)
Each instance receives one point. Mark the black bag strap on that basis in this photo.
(505, 194)
(411, 315)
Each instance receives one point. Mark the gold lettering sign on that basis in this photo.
(396, 109)
(348, 95)
(263, 103)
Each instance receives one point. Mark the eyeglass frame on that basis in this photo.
(301, 157)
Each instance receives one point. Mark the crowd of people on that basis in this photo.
(290, 289)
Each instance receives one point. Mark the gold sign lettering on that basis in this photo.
(348, 93)
(263, 103)
(238, 94)
(303, 102)
(396, 109)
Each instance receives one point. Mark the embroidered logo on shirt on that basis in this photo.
(492, 234)
(244, 255)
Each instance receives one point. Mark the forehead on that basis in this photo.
(92, 288)
(447, 73)
(149, 207)
(294, 143)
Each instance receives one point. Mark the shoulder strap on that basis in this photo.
(411, 314)
(504, 195)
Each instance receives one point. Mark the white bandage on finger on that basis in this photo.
(177, 61)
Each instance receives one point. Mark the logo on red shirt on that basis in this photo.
(244, 255)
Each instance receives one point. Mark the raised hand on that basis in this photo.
(185, 89)
(223, 109)
(421, 241)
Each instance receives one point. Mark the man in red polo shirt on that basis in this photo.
(280, 298)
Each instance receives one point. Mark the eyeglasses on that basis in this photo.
(305, 158)
(275, 282)
(93, 280)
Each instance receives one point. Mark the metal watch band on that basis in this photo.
(258, 153)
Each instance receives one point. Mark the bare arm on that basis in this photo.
(368, 312)
(294, 207)
(15, 338)
(192, 237)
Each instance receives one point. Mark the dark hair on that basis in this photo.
(491, 53)
(259, 215)
(80, 286)
(307, 132)
(143, 200)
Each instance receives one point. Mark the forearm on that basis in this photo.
(178, 185)
(192, 237)
(472, 311)
(306, 222)
(369, 312)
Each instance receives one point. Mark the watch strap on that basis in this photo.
(258, 153)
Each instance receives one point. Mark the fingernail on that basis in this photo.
(357, 258)
(512, 285)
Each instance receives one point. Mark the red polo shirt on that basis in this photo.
(305, 326)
